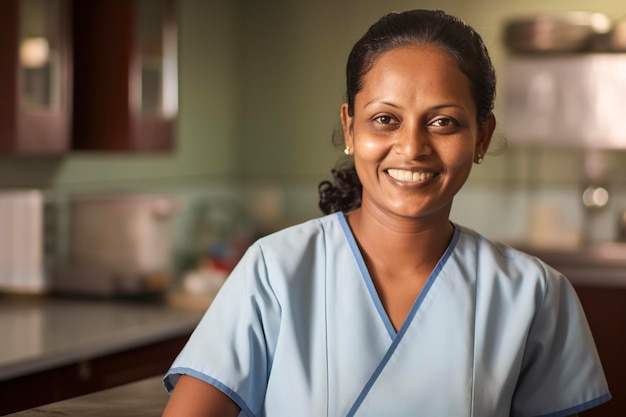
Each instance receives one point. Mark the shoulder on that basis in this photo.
(502, 261)
(534, 310)
(302, 236)
(282, 253)
(496, 250)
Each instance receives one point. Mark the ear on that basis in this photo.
(485, 132)
(346, 122)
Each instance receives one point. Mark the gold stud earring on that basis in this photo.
(347, 150)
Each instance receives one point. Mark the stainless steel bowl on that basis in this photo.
(557, 32)
(611, 41)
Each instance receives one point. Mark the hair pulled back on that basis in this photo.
(397, 29)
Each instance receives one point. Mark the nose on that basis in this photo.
(413, 143)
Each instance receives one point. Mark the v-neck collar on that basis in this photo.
(367, 278)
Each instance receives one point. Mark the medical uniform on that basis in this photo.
(299, 330)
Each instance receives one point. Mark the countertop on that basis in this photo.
(145, 398)
(41, 332)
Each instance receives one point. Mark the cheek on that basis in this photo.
(370, 148)
(458, 158)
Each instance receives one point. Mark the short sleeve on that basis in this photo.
(561, 372)
(232, 346)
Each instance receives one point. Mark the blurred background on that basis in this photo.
(259, 87)
(158, 138)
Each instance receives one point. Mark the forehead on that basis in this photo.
(417, 60)
(414, 71)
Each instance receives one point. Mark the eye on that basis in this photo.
(385, 122)
(384, 119)
(445, 122)
(444, 125)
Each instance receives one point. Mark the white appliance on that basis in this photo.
(27, 235)
(571, 100)
(118, 245)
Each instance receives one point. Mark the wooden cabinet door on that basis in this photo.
(605, 308)
(35, 90)
(125, 75)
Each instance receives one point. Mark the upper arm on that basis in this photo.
(561, 369)
(195, 398)
(233, 344)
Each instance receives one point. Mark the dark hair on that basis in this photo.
(414, 27)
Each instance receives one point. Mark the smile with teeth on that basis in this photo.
(409, 176)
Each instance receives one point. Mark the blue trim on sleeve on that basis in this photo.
(580, 407)
(209, 380)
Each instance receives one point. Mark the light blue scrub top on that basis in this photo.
(299, 330)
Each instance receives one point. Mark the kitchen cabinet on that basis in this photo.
(35, 97)
(605, 308)
(125, 75)
(88, 376)
(98, 75)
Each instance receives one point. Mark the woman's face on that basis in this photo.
(414, 133)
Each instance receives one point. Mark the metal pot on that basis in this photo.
(612, 41)
(558, 32)
(621, 225)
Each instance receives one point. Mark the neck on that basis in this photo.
(401, 243)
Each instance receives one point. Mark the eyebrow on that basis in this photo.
(456, 106)
(380, 102)
(437, 107)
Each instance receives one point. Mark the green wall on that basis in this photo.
(260, 87)
(261, 83)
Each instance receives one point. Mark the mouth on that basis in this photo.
(408, 176)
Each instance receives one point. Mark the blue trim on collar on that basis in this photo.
(365, 274)
(396, 338)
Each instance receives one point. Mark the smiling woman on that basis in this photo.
(384, 306)
(414, 135)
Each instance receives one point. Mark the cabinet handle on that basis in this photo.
(84, 370)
